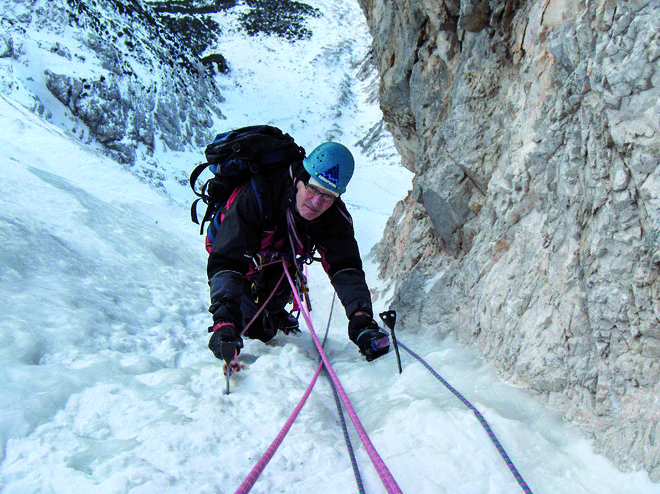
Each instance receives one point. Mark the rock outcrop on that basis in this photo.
(127, 78)
(533, 228)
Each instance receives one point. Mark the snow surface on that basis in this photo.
(107, 384)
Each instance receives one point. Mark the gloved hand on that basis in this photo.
(368, 336)
(224, 332)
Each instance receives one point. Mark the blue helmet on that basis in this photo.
(331, 165)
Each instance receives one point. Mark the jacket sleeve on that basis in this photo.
(352, 290)
(238, 237)
(226, 291)
(335, 241)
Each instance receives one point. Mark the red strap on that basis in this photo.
(221, 325)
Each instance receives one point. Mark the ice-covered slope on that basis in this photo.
(108, 386)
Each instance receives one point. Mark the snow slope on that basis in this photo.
(108, 386)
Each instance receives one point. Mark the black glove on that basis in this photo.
(367, 335)
(224, 332)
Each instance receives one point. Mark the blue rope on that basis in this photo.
(482, 420)
(342, 419)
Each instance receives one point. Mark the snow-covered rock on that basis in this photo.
(123, 77)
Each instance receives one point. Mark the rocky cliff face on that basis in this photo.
(127, 77)
(133, 77)
(533, 228)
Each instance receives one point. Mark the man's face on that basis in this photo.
(312, 201)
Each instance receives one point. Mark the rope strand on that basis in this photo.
(383, 472)
(482, 420)
(340, 411)
(386, 477)
(254, 474)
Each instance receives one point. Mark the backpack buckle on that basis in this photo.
(254, 167)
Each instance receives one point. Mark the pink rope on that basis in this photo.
(254, 474)
(383, 472)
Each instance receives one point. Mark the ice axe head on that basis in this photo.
(389, 318)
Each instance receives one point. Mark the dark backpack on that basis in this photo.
(235, 158)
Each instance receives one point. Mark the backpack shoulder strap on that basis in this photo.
(262, 195)
(194, 176)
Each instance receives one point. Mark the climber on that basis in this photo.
(307, 216)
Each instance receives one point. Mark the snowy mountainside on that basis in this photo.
(113, 74)
(87, 277)
(127, 78)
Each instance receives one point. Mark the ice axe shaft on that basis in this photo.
(389, 319)
(228, 352)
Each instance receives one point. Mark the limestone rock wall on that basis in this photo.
(533, 228)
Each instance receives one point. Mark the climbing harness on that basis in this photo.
(260, 261)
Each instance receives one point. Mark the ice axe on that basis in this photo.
(389, 319)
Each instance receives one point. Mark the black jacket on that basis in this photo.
(244, 232)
